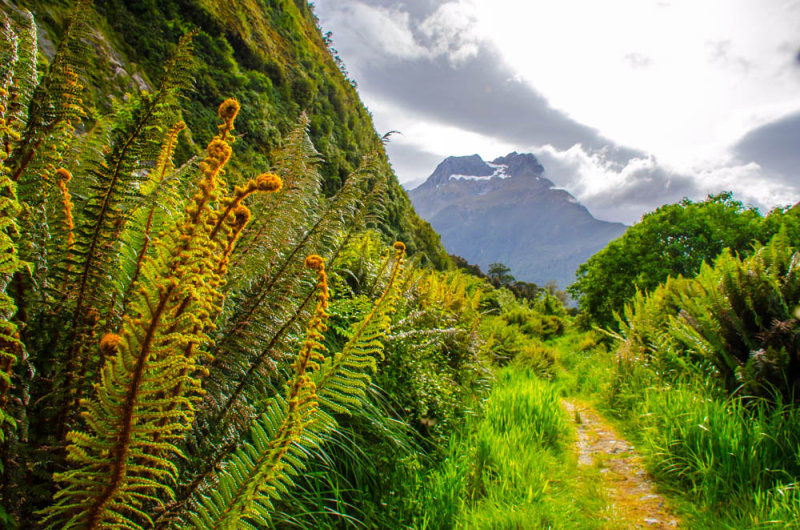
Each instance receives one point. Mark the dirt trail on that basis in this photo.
(633, 502)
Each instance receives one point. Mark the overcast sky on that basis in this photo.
(629, 104)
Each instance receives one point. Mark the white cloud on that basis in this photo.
(378, 32)
(715, 69)
(623, 192)
(450, 30)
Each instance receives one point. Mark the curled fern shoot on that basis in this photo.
(261, 468)
(152, 376)
(264, 465)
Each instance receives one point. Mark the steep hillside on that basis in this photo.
(506, 211)
(269, 54)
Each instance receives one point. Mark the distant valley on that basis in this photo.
(507, 211)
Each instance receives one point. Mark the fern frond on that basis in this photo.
(55, 106)
(263, 466)
(343, 379)
(10, 345)
(13, 45)
(266, 312)
(160, 200)
(135, 143)
(150, 379)
(261, 469)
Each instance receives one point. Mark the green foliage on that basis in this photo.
(674, 240)
(272, 55)
(158, 310)
(737, 320)
(742, 316)
(737, 462)
(705, 379)
(434, 369)
(510, 468)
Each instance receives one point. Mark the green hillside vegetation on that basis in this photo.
(676, 239)
(270, 54)
(201, 327)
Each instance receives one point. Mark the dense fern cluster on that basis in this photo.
(152, 366)
(736, 323)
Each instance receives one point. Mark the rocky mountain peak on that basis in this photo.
(520, 165)
(506, 211)
(473, 168)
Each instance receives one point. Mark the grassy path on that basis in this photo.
(632, 500)
(537, 461)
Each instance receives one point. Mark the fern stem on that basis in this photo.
(120, 451)
(221, 417)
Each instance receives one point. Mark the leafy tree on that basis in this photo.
(500, 274)
(674, 240)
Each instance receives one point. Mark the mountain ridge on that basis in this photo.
(507, 211)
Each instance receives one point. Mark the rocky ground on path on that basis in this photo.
(633, 501)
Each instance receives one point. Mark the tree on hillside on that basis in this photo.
(471, 268)
(500, 274)
(673, 240)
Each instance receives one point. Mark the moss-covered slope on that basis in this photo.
(269, 54)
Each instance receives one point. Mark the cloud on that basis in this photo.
(431, 69)
(380, 32)
(441, 69)
(482, 95)
(449, 32)
(775, 147)
(622, 192)
(612, 190)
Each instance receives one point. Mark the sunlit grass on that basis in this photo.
(515, 467)
(731, 463)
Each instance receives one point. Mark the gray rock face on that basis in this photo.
(507, 211)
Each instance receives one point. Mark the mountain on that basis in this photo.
(507, 211)
(269, 54)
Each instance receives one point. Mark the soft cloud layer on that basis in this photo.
(712, 110)
(623, 192)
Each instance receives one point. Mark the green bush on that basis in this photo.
(674, 240)
(737, 322)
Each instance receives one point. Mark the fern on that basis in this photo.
(343, 379)
(159, 200)
(14, 74)
(135, 142)
(270, 308)
(259, 466)
(10, 345)
(262, 467)
(151, 376)
(55, 105)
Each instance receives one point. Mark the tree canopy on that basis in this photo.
(673, 240)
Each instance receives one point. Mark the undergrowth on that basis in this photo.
(511, 468)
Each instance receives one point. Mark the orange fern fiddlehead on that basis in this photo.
(279, 443)
(152, 375)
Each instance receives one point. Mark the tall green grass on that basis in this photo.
(736, 461)
(512, 468)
